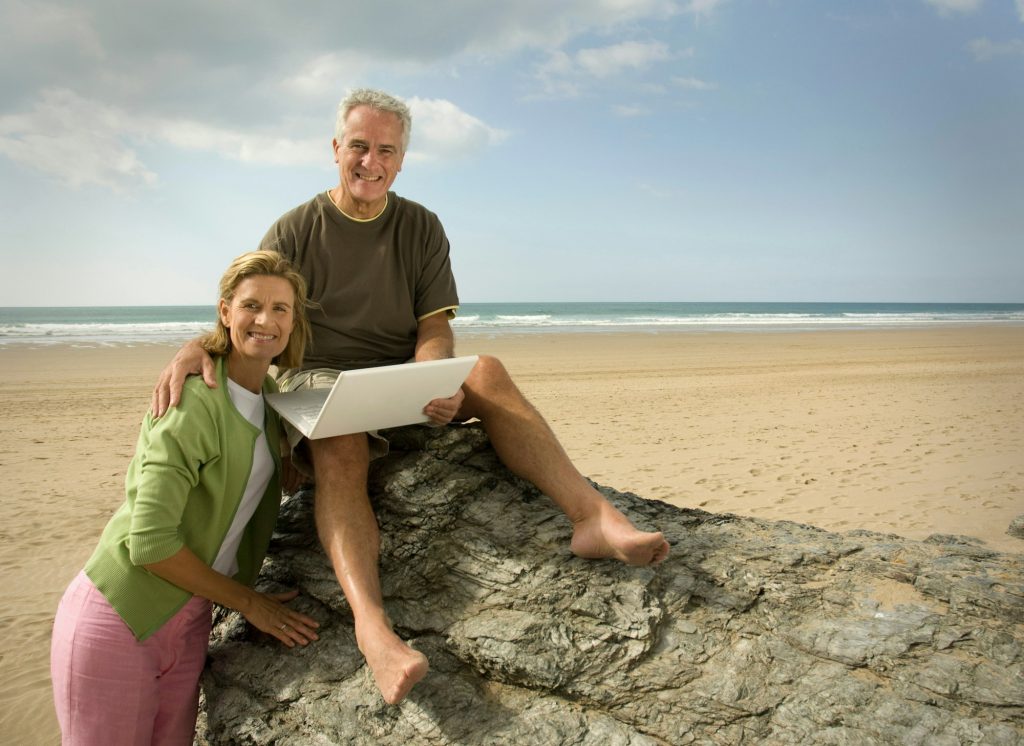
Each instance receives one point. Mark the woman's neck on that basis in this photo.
(246, 372)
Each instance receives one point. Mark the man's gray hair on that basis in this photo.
(375, 100)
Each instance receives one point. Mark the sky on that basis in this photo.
(583, 150)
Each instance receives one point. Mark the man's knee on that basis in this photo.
(489, 385)
(342, 457)
(489, 374)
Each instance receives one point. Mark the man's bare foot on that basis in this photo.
(609, 535)
(396, 667)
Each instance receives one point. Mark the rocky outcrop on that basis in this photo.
(1016, 527)
(753, 632)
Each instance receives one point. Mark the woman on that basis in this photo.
(130, 636)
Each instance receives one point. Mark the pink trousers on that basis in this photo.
(110, 689)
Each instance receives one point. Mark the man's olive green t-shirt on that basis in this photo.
(372, 281)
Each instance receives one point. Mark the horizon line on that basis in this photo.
(584, 302)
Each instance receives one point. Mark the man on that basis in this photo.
(378, 266)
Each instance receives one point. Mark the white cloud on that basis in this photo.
(1020, 9)
(88, 87)
(206, 61)
(603, 62)
(986, 49)
(623, 110)
(326, 74)
(533, 24)
(202, 53)
(702, 8)
(694, 84)
(441, 130)
(77, 141)
(567, 75)
(557, 76)
(40, 24)
(81, 142)
(949, 7)
(241, 146)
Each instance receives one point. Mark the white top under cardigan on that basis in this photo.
(250, 406)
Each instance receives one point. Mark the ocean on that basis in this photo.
(128, 325)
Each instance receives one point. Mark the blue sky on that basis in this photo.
(620, 150)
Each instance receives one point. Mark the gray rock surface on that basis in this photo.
(1016, 527)
(753, 632)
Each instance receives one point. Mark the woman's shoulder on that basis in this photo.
(198, 411)
(196, 394)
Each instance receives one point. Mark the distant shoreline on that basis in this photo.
(174, 324)
(553, 333)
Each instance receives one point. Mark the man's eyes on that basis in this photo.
(364, 147)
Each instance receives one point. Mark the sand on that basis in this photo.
(911, 432)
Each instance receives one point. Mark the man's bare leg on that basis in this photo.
(348, 531)
(527, 446)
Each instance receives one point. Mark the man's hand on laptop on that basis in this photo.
(191, 359)
(443, 411)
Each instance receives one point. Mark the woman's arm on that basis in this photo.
(265, 611)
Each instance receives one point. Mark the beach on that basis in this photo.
(905, 431)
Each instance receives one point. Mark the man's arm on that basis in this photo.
(434, 338)
(191, 359)
(435, 341)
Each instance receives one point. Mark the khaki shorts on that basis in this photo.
(308, 380)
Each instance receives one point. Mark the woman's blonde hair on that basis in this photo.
(272, 264)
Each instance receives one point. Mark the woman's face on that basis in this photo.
(260, 317)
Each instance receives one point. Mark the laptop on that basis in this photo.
(372, 398)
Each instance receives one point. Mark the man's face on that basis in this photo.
(368, 159)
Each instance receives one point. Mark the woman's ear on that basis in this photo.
(224, 311)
